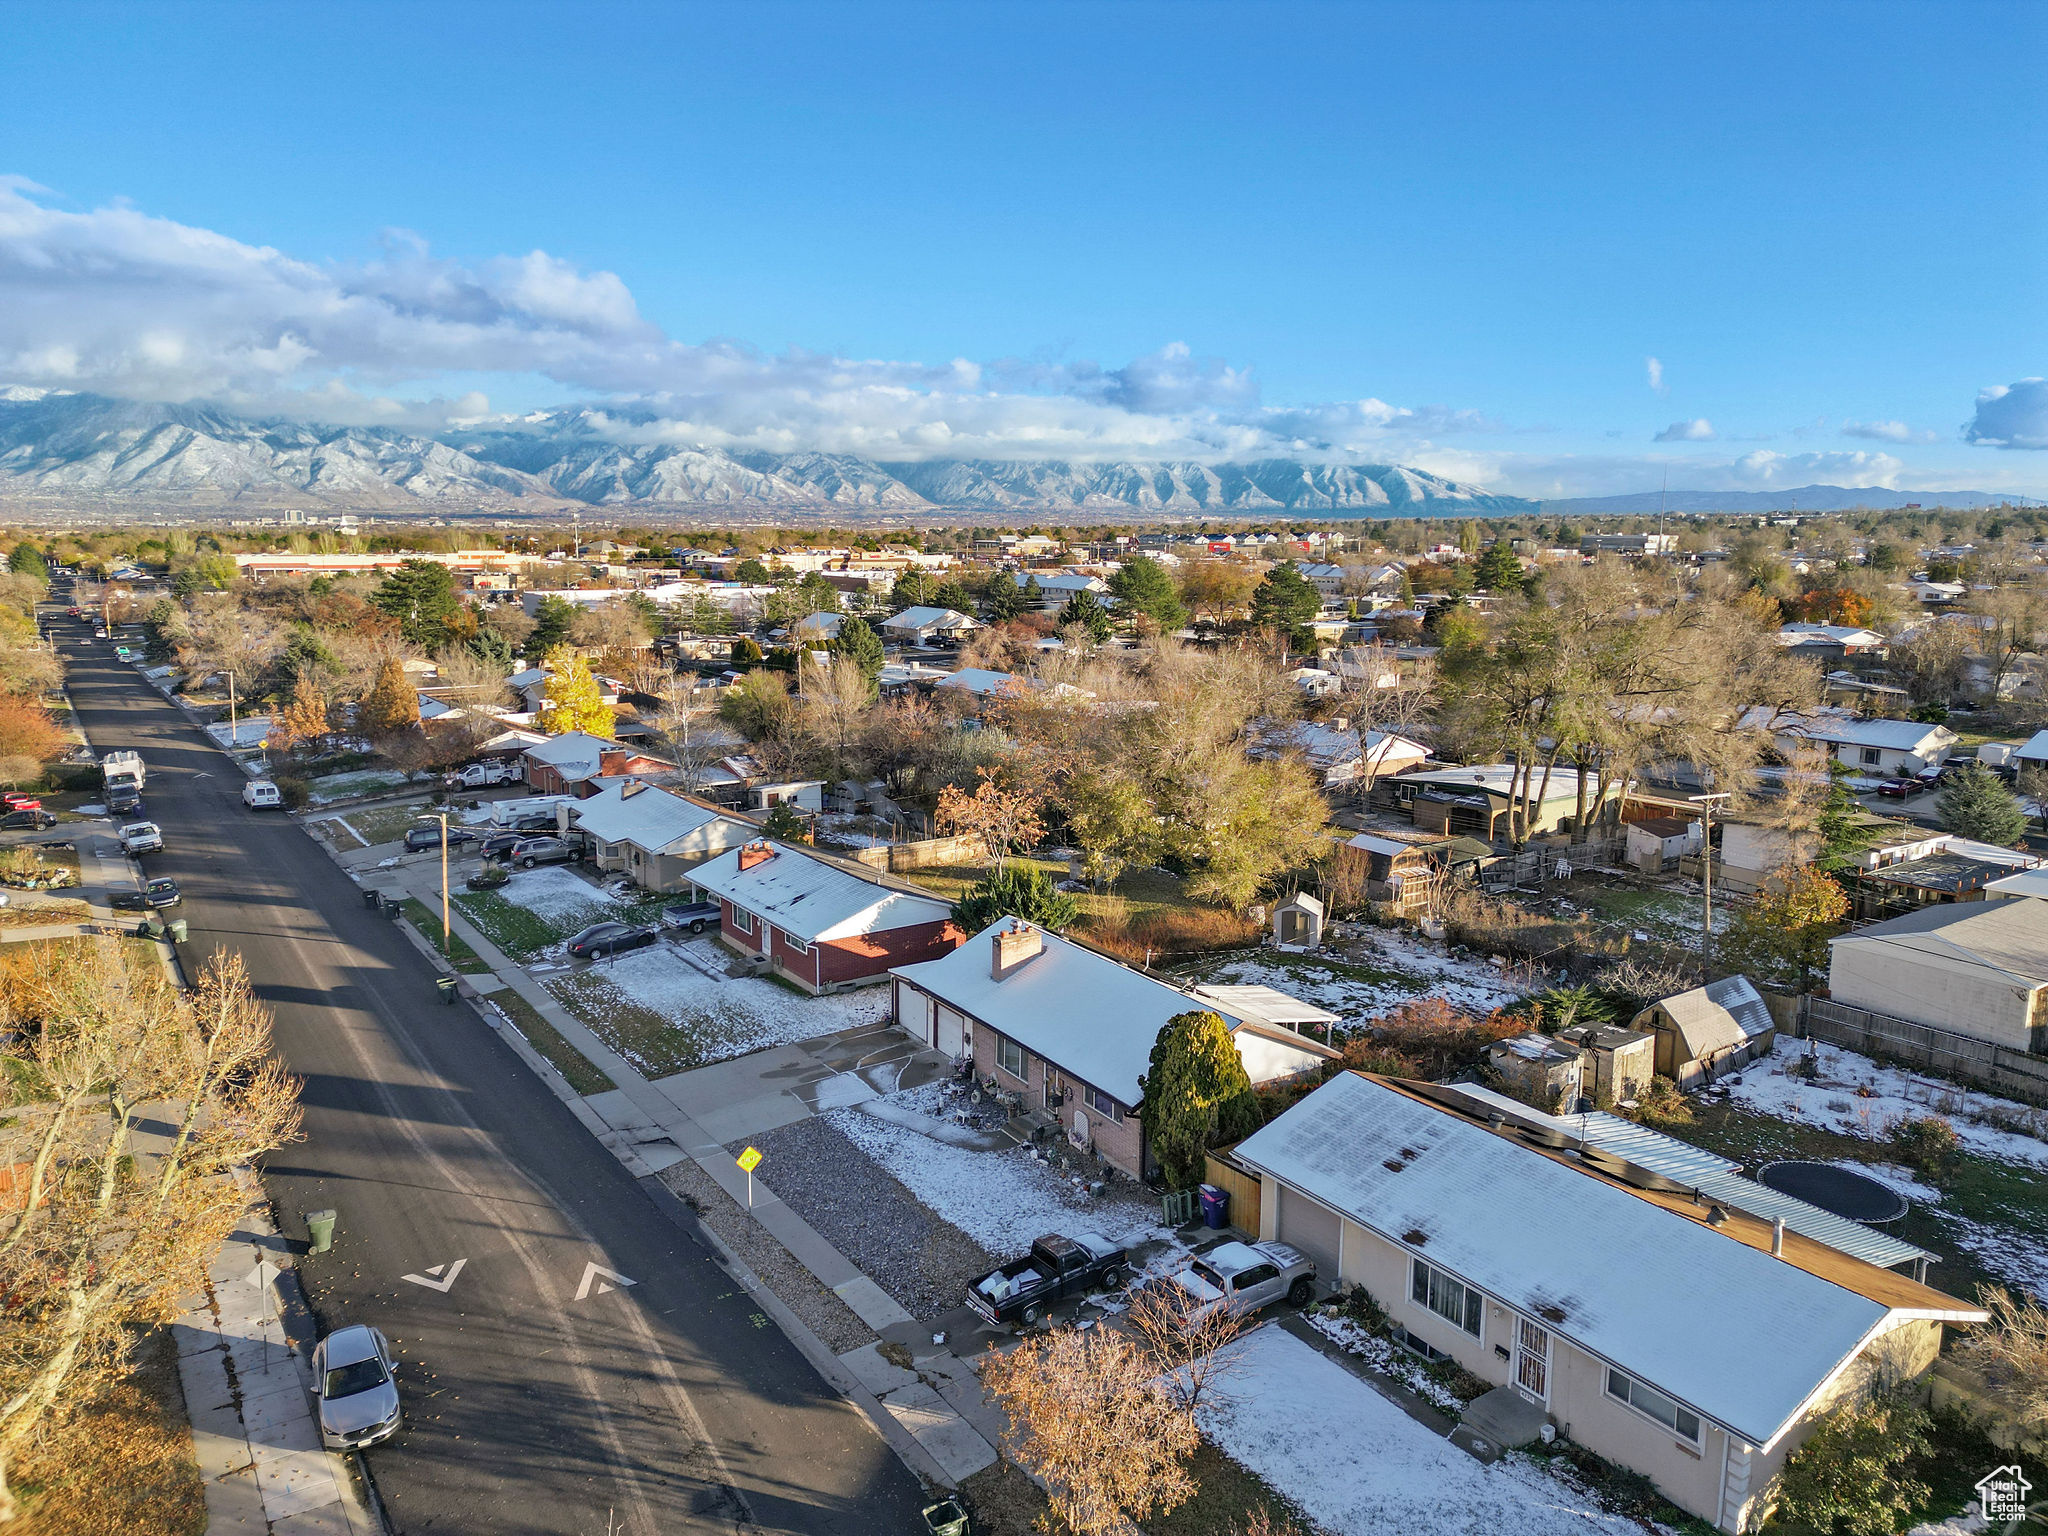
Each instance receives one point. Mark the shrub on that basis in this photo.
(1851, 1477)
(1662, 1104)
(293, 791)
(1635, 984)
(1017, 890)
(1435, 1037)
(1169, 931)
(2011, 1353)
(1925, 1142)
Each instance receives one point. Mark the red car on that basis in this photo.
(1899, 789)
(15, 800)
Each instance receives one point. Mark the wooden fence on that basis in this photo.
(1245, 1191)
(1539, 865)
(2015, 1074)
(918, 855)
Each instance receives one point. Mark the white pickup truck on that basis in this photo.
(142, 837)
(485, 773)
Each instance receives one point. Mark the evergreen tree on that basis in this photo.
(1498, 570)
(392, 705)
(571, 700)
(1085, 609)
(304, 655)
(953, 595)
(1976, 804)
(420, 594)
(752, 572)
(1197, 1094)
(746, 652)
(858, 643)
(27, 560)
(915, 588)
(551, 621)
(489, 646)
(1285, 600)
(784, 824)
(1015, 890)
(1142, 586)
(1006, 598)
(1407, 591)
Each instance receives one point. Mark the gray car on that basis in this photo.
(540, 850)
(356, 1387)
(1245, 1277)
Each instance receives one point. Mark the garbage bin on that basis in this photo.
(1215, 1206)
(945, 1518)
(149, 930)
(393, 910)
(446, 986)
(373, 899)
(179, 929)
(320, 1227)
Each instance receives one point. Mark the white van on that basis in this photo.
(261, 795)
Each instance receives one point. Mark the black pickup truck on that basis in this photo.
(1056, 1267)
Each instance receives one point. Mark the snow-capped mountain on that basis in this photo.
(89, 446)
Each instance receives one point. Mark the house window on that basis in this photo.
(1872, 757)
(1102, 1104)
(795, 945)
(1010, 1057)
(742, 921)
(1655, 1405)
(1450, 1299)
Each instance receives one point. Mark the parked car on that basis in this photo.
(1900, 789)
(356, 1388)
(611, 939)
(124, 800)
(17, 800)
(497, 844)
(142, 837)
(430, 837)
(35, 821)
(154, 896)
(693, 915)
(1056, 1267)
(533, 821)
(261, 795)
(529, 851)
(1243, 1277)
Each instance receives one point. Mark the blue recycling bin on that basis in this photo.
(1215, 1206)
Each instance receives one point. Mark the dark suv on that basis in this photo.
(430, 837)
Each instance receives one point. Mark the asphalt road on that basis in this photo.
(541, 1396)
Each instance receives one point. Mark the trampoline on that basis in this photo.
(1853, 1195)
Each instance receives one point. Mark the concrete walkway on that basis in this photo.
(648, 1130)
(248, 1393)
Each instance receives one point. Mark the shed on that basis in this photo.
(1978, 969)
(1709, 1030)
(1538, 1069)
(1298, 922)
(1619, 1063)
(1657, 843)
(1271, 1007)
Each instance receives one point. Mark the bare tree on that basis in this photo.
(1192, 1349)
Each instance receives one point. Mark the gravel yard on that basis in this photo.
(894, 1238)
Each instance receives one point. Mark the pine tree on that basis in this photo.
(1142, 586)
(1497, 569)
(1285, 600)
(1016, 890)
(1085, 609)
(571, 700)
(1976, 804)
(551, 621)
(420, 594)
(1006, 597)
(1197, 1094)
(392, 704)
(858, 643)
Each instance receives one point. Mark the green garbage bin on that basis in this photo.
(320, 1227)
(147, 929)
(446, 985)
(179, 929)
(945, 1518)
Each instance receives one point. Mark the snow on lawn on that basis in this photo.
(1373, 975)
(339, 786)
(1358, 1466)
(666, 1015)
(1893, 1094)
(1002, 1199)
(2017, 1256)
(554, 895)
(1382, 1356)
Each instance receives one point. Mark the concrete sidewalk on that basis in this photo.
(648, 1130)
(248, 1393)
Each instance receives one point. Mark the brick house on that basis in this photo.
(1070, 1030)
(655, 835)
(575, 762)
(823, 923)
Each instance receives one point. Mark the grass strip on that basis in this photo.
(513, 929)
(428, 923)
(578, 1070)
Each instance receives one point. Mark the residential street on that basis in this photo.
(572, 1360)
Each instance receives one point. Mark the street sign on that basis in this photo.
(750, 1159)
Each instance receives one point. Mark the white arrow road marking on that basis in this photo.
(440, 1282)
(605, 1280)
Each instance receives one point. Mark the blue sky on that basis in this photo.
(1451, 235)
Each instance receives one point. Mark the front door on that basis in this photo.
(1055, 1088)
(1532, 1360)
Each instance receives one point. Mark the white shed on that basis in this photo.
(1977, 968)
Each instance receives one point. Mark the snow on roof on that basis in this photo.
(532, 677)
(1534, 1047)
(2035, 747)
(1716, 1017)
(1841, 634)
(646, 816)
(1265, 1005)
(2028, 882)
(1090, 1016)
(928, 618)
(572, 749)
(1715, 1177)
(1899, 735)
(1598, 1263)
(811, 899)
(981, 681)
(1059, 581)
(1499, 778)
(2007, 938)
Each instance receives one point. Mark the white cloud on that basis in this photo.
(1655, 368)
(1698, 430)
(1765, 470)
(124, 303)
(1556, 476)
(1887, 432)
(2011, 416)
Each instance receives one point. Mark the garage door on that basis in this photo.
(914, 1012)
(1311, 1228)
(952, 1031)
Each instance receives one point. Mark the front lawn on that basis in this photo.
(376, 824)
(427, 922)
(1004, 1502)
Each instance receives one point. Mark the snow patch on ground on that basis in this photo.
(1372, 975)
(1002, 1199)
(555, 895)
(339, 786)
(1358, 1466)
(1895, 1094)
(1383, 1357)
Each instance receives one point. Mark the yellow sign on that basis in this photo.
(750, 1159)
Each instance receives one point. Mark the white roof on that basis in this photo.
(1059, 581)
(928, 618)
(1899, 735)
(1498, 778)
(1095, 1019)
(1841, 634)
(571, 750)
(648, 817)
(981, 681)
(2007, 939)
(1265, 1005)
(1590, 1260)
(531, 677)
(1717, 1017)
(811, 899)
(2036, 747)
(2028, 882)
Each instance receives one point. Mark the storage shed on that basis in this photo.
(1539, 1070)
(1709, 1030)
(1618, 1063)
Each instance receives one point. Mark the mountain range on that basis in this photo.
(86, 446)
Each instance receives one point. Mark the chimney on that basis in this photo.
(1011, 947)
(755, 853)
(1778, 1235)
(630, 788)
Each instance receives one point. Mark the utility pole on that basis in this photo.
(1707, 804)
(447, 942)
(234, 726)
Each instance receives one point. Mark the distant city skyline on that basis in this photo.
(1556, 251)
